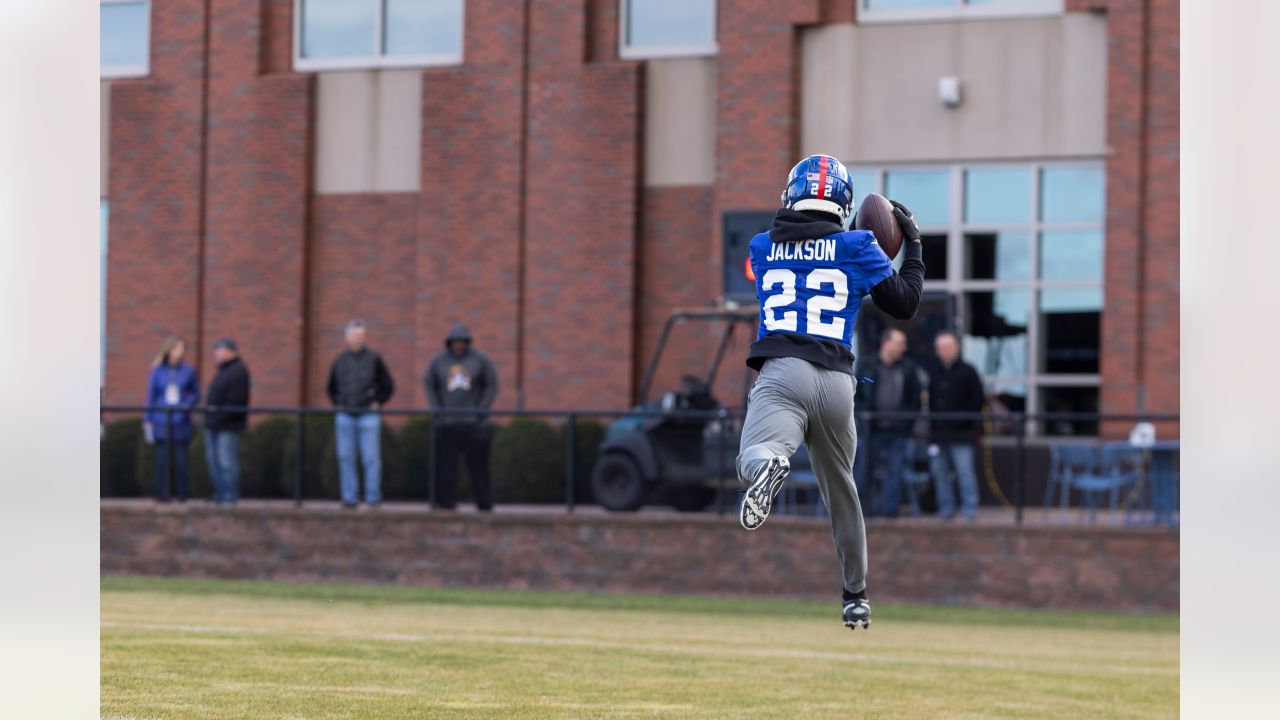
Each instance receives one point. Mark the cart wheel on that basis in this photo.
(616, 483)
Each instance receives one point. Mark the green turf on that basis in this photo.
(218, 649)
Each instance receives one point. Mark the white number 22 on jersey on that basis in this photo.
(788, 320)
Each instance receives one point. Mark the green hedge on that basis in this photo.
(527, 460)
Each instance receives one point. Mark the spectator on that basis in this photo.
(460, 378)
(228, 389)
(359, 385)
(894, 387)
(172, 385)
(954, 386)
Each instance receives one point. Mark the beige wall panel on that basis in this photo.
(345, 132)
(680, 122)
(398, 142)
(104, 136)
(1031, 88)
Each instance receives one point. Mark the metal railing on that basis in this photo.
(1019, 421)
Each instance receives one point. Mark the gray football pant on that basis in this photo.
(792, 402)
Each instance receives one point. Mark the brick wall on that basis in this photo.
(1069, 567)
(1140, 330)
(153, 270)
(215, 228)
(362, 260)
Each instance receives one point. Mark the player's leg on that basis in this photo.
(832, 441)
(773, 430)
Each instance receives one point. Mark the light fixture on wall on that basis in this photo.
(949, 91)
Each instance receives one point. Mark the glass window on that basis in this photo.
(1069, 400)
(1071, 255)
(340, 34)
(124, 34)
(338, 28)
(906, 4)
(1070, 322)
(423, 27)
(997, 256)
(864, 181)
(670, 24)
(934, 253)
(1072, 194)
(925, 192)
(995, 331)
(997, 196)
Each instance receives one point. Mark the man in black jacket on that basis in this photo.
(229, 388)
(359, 385)
(894, 387)
(462, 378)
(954, 386)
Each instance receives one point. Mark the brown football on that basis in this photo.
(876, 214)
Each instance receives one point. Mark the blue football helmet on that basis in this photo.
(820, 182)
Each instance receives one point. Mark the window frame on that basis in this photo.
(959, 10)
(658, 52)
(115, 72)
(379, 59)
(958, 286)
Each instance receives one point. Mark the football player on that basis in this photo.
(811, 273)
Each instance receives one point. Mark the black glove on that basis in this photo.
(906, 221)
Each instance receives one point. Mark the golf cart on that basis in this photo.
(682, 446)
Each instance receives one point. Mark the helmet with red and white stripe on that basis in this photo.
(820, 182)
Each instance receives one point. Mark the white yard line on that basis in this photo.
(875, 658)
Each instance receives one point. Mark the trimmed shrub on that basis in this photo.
(319, 452)
(528, 462)
(262, 458)
(415, 443)
(588, 433)
(118, 458)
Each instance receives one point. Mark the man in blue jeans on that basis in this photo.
(954, 386)
(222, 427)
(359, 385)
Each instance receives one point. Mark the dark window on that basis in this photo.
(737, 230)
(1069, 400)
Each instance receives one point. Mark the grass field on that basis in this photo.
(217, 649)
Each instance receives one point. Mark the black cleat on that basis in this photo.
(857, 614)
(758, 500)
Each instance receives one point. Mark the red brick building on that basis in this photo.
(555, 176)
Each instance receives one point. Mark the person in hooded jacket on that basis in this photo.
(461, 378)
(171, 392)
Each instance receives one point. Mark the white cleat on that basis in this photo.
(758, 500)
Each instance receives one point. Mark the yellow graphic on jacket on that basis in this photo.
(458, 378)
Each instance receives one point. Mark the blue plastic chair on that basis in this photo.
(1092, 471)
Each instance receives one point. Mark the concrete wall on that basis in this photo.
(680, 122)
(1033, 87)
(1068, 567)
(368, 131)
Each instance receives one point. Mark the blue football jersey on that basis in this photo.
(815, 287)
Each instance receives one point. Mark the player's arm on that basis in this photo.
(899, 294)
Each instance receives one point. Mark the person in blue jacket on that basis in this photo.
(172, 385)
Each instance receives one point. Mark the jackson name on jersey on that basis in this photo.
(815, 287)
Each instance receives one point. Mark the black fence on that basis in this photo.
(1072, 472)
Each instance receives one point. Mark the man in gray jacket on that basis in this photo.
(460, 378)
